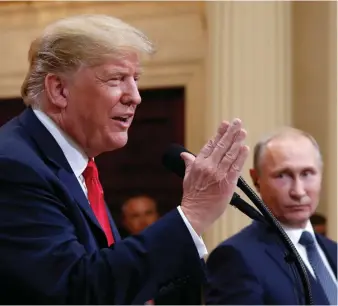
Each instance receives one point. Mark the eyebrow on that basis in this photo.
(120, 71)
(287, 169)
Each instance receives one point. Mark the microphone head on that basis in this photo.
(172, 160)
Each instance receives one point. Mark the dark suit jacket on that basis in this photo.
(52, 249)
(249, 268)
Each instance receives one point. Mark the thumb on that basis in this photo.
(188, 160)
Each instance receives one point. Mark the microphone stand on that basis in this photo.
(246, 209)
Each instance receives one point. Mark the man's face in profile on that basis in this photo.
(99, 103)
(139, 213)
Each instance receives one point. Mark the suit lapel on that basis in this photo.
(277, 251)
(74, 188)
(116, 233)
(52, 154)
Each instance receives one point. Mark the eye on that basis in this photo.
(117, 78)
(280, 175)
(306, 173)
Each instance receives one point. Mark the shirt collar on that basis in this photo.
(75, 156)
(295, 233)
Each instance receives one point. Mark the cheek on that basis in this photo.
(313, 185)
(282, 183)
(113, 94)
(279, 187)
(103, 106)
(86, 103)
(106, 99)
(313, 191)
(275, 192)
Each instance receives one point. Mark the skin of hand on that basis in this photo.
(211, 177)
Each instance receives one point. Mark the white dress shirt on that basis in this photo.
(295, 234)
(78, 161)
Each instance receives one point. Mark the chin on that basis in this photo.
(118, 141)
(299, 218)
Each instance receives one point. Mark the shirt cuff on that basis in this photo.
(199, 243)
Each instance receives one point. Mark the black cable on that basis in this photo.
(246, 209)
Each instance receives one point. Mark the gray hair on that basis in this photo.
(69, 43)
(285, 131)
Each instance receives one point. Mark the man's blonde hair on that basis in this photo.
(69, 43)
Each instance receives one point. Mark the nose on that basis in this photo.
(132, 94)
(297, 190)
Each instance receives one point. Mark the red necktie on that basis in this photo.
(96, 199)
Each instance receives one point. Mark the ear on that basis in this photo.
(56, 90)
(254, 178)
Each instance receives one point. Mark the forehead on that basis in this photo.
(139, 204)
(293, 152)
(128, 64)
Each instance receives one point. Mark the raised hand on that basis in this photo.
(211, 177)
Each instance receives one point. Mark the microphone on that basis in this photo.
(172, 160)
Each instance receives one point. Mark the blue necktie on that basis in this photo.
(322, 274)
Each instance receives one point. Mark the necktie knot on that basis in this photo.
(306, 239)
(91, 171)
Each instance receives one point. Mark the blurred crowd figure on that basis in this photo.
(318, 222)
(138, 212)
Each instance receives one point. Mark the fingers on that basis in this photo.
(226, 141)
(232, 154)
(235, 168)
(210, 146)
(188, 161)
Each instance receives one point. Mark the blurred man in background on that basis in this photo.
(318, 222)
(250, 267)
(139, 212)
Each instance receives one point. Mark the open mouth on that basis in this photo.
(122, 119)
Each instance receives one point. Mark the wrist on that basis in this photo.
(194, 219)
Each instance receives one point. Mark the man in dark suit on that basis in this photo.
(250, 267)
(58, 243)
